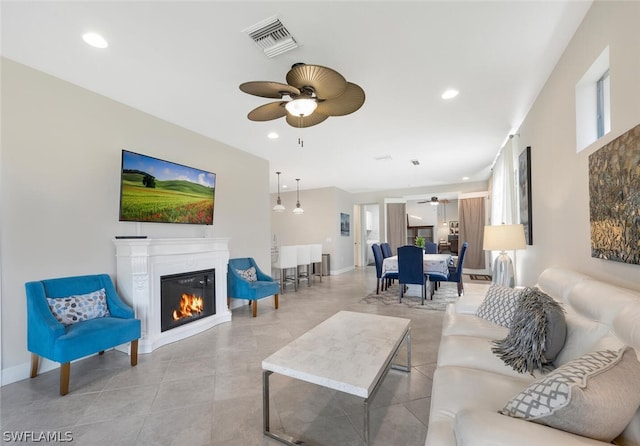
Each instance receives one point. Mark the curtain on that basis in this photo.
(503, 191)
(396, 225)
(471, 217)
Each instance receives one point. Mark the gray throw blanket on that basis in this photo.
(524, 347)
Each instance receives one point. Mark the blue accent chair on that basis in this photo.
(411, 269)
(48, 338)
(241, 288)
(455, 273)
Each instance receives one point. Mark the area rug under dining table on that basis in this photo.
(447, 293)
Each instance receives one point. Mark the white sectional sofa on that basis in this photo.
(471, 384)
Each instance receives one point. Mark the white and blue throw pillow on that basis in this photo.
(73, 309)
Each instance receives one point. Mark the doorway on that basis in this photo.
(369, 223)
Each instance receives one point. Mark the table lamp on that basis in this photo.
(504, 238)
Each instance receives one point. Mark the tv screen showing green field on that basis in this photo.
(154, 190)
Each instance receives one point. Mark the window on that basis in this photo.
(593, 103)
(603, 104)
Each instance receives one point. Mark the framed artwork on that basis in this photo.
(524, 193)
(614, 199)
(344, 224)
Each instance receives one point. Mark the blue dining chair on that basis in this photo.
(455, 273)
(377, 257)
(386, 252)
(430, 248)
(411, 269)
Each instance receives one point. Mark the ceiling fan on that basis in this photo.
(434, 201)
(315, 93)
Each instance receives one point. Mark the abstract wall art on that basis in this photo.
(614, 199)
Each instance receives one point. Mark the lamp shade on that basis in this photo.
(504, 238)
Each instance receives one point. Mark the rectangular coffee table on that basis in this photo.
(349, 352)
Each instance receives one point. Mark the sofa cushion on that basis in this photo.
(595, 395)
(499, 305)
(248, 274)
(536, 335)
(83, 307)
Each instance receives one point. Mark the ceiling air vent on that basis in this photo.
(272, 37)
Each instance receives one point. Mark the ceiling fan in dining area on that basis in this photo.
(433, 201)
(314, 94)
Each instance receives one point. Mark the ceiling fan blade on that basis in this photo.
(267, 89)
(267, 112)
(307, 121)
(348, 102)
(327, 83)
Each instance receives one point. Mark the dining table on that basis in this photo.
(433, 263)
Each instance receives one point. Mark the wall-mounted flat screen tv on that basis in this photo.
(154, 190)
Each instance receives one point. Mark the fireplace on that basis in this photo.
(186, 297)
(141, 266)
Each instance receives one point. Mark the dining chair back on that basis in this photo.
(386, 250)
(377, 258)
(430, 248)
(455, 273)
(411, 269)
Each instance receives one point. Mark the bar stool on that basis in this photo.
(304, 263)
(316, 260)
(287, 260)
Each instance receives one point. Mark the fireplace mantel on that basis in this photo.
(141, 262)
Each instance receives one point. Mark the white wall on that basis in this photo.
(560, 181)
(320, 223)
(60, 174)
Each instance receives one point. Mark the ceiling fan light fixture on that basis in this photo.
(301, 107)
(434, 201)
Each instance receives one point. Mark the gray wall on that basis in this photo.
(59, 178)
(320, 223)
(560, 181)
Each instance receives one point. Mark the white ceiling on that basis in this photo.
(183, 62)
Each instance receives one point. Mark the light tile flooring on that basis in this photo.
(207, 390)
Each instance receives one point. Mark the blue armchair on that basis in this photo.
(50, 338)
(239, 287)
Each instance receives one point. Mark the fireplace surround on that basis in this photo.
(140, 266)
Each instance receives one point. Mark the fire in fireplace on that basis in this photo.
(186, 297)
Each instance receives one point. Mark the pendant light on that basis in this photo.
(444, 220)
(278, 207)
(298, 210)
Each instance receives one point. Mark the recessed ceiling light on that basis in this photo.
(95, 40)
(465, 178)
(450, 94)
(273, 135)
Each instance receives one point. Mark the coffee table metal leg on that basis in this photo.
(265, 400)
(366, 422)
(407, 340)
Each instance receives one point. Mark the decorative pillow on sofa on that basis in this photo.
(536, 335)
(72, 309)
(595, 395)
(499, 305)
(248, 274)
